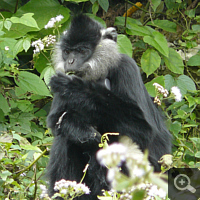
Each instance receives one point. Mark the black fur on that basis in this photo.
(83, 110)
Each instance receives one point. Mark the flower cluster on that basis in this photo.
(45, 42)
(177, 93)
(52, 21)
(44, 192)
(161, 89)
(39, 46)
(152, 191)
(70, 189)
(112, 156)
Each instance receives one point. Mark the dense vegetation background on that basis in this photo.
(161, 35)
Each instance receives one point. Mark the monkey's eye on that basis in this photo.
(66, 51)
(82, 51)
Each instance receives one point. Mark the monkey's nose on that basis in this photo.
(71, 61)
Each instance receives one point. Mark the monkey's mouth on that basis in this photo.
(76, 73)
(70, 73)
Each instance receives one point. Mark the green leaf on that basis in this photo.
(194, 60)
(155, 4)
(18, 47)
(150, 61)
(32, 83)
(7, 24)
(5, 174)
(43, 11)
(151, 89)
(95, 8)
(49, 72)
(196, 28)
(174, 62)
(4, 104)
(164, 24)
(26, 19)
(197, 155)
(158, 41)
(190, 13)
(125, 45)
(175, 127)
(26, 44)
(31, 147)
(104, 4)
(185, 83)
(169, 82)
(77, 1)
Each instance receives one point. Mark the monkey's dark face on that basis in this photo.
(74, 57)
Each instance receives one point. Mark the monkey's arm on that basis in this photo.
(95, 105)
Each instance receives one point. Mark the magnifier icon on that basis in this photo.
(182, 182)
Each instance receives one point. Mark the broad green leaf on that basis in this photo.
(77, 1)
(158, 41)
(24, 105)
(26, 19)
(1, 25)
(164, 24)
(197, 155)
(174, 62)
(104, 4)
(150, 61)
(175, 127)
(120, 21)
(7, 24)
(31, 147)
(133, 26)
(151, 89)
(155, 4)
(194, 60)
(185, 83)
(48, 74)
(169, 81)
(190, 13)
(97, 19)
(196, 28)
(4, 104)
(18, 47)
(138, 30)
(95, 8)
(5, 174)
(26, 44)
(43, 11)
(125, 45)
(32, 83)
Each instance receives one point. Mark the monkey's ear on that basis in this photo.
(109, 33)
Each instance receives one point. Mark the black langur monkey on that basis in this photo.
(105, 93)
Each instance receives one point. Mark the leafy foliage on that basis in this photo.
(164, 40)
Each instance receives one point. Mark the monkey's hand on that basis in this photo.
(60, 82)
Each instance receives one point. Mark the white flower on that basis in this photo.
(161, 89)
(44, 191)
(39, 46)
(64, 186)
(52, 21)
(113, 155)
(138, 172)
(177, 93)
(59, 18)
(111, 174)
(7, 48)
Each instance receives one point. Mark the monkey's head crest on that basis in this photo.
(83, 30)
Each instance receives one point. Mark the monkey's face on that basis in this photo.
(75, 57)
